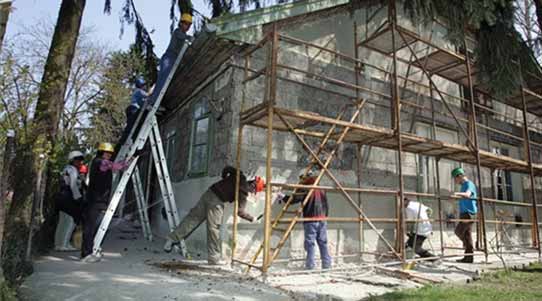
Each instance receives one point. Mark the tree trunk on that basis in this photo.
(5, 186)
(538, 7)
(42, 138)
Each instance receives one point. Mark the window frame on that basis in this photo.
(207, 115)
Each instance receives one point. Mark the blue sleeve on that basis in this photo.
(472, 188)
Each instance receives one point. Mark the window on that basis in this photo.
(199, 146)
(170, 150)
(503, 178)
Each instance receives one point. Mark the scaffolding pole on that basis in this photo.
(481, 213)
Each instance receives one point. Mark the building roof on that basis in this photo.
(210, 50)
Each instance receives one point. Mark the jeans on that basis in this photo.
(316, 232)
(131, 116)
(166, 64)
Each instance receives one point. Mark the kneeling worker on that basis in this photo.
(420, 229)
(210, 208)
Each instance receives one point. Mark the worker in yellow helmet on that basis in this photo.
(98, 195)
(178, 37)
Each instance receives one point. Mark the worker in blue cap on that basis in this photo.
(139, 97)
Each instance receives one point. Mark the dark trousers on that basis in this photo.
(92, 217)
(463, 230)
(416, 242)
(131, 116)
(66, 203)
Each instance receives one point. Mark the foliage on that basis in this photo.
(107, 120)
(143, 42)
(6, 292)
(499, 44)
(521, 284)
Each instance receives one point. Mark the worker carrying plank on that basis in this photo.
(317, 210)
(467, 212)
(419, 227)
(210, 208)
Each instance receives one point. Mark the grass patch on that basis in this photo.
(524, 284)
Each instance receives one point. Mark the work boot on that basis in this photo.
(177, 246)
(466, 259)
(168, 246)
(92, 258)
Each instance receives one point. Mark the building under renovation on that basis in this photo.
(383, 107)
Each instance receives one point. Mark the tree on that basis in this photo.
(41, 136)
(498, 42)
(107, 112)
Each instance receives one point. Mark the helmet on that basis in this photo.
(83, 169)
(185, 17)
(260, 184)
(75, 154)
(457, 171)
(140, 81)
(106, 147)
(308, 174)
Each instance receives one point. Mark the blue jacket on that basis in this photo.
(138, 98)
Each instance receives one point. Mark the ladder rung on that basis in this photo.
(291, 212)
(280, 229)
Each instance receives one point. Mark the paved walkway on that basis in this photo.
(134, 269)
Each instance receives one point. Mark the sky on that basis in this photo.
(155, 15)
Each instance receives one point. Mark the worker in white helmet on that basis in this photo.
(69, 201)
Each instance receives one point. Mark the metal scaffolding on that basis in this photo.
(347, 128)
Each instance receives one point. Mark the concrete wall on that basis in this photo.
(335, 31)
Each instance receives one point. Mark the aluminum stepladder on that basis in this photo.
(148, 131)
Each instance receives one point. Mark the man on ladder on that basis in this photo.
(148, 131)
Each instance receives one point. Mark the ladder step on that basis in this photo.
(290, 212)
(280, 229)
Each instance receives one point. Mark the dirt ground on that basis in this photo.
(135, 269)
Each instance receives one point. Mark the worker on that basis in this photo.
(69, 202)
(419, 227)
(210, 208)
(70, 197)
(178, 37)
(98, 196)
(316, 209)
(139, 98)
(467, 212)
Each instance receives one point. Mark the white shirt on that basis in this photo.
(418, 211)
(71, 178)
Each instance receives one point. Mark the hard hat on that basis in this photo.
(83, 169)
(106, 147)
(457, 171)
(260, 184)
(308, 174)
(75, 154)
(186, 17)
(140, 81)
